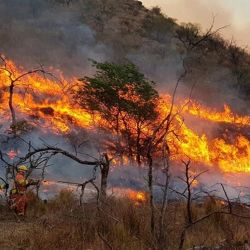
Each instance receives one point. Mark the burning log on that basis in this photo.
(47, 111)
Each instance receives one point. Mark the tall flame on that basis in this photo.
(49, 102)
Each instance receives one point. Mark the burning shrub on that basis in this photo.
(125, 100)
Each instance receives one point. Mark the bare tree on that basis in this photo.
(13, 81)
(158, 137)
(191, 37)
(191, 196)
(39, 157)
(161, 133)
(83, 186)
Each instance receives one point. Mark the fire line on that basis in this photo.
(49, 103)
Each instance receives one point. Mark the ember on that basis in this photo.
(12, 154)
(137, 196)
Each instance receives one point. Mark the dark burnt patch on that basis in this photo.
(47, 111)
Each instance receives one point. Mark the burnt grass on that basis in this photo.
(117, 224)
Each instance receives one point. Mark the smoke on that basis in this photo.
(133, 177)
(45, 32)
(59, 167)
(214, 83)
(232, 13)
(39, 32)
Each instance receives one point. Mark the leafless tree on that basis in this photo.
(191, 196)
(191, 37)
(82, 186)
(161, 133)
(158, 137)
(39, 157)
(13, 82)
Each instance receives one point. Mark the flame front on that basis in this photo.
(46, 100)
(49, 103)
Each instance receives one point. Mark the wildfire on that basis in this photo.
(139, 197)
(46, 100)
(49, 103)
(226, 116)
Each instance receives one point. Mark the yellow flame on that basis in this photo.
(50, 104)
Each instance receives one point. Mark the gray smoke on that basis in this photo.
(45, 32)
(38, 32)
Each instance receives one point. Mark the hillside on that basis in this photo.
(68, 33)
(157, 44)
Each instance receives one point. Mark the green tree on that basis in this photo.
(126, 101)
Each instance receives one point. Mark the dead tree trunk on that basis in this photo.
(12, 110)
(189, 193)
(150, 187)
(166, 161)
(182, 238)
(104, 175)
(138, 146)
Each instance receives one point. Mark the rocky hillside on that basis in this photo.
(156, 43)
(66, 33)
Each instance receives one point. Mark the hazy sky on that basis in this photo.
(235, 13)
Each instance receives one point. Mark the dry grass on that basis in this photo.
(120, 224)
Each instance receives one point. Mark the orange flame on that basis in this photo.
(137, 196)
(48, 183)
(50, 104)
(226, 116)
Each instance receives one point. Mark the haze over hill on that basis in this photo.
(235, 14)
